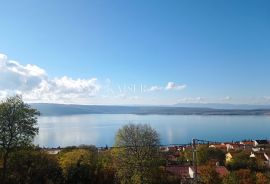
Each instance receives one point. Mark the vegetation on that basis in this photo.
(209, 175)
(206, 154)
(33, 166)
(85, 166)
(242, 160)
(232, 178)
(138, 153)
(17, 127)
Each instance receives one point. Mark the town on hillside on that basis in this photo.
(188, 162)
(223, 157)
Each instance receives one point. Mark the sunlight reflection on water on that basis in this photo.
(100, 129)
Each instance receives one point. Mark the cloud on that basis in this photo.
(227, 98)
(192, 100)
(154, 88)
(174, 86)
(169, 86)
(34, 84)
(14, 76)
(68, 85)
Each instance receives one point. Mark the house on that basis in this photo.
(257, 149)
(247, 144)
(221, 170)
(52, 151)
(218, 146)
(261, 156)
(229, 157)
(260, 142)
(187, 148)
(232, 154)
(267, 156)
(173, 148)
(233, 146)
(191, 171)
(180, 171)
(164, 149)
(170, 148)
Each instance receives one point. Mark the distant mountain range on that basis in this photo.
(223, 106)
(48, 109)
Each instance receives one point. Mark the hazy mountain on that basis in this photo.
(222, 106)
(63, 109)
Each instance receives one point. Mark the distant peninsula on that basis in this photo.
(50, 109)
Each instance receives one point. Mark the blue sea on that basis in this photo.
(100, 129)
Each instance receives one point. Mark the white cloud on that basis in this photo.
(34, 84)
(14, 76)
(174, 86)
(154, 88)
(227, 98)
(69, 85)
(192, 100)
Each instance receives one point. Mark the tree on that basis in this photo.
(206, 154)
(208, 175)
(34, 166)
(242, 160)
(231, 178)
(261, 178)
(79, 166)
(246, 176)
(87, 165)
(137, 154)
(17, 127)
(106, 167)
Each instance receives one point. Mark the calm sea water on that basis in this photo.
(100, 129)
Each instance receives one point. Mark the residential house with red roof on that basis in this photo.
(221, 170)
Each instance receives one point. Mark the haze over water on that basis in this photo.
(100, 129)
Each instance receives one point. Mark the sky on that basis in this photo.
(136, 52)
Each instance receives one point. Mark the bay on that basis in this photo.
(100, 129)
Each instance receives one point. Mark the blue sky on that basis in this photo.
(172, 51)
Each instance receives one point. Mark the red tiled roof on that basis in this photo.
(181, 171)
(227, 143)
(235, 145)
(248, 142)
(173, 148)
(219, 146)
(222, 171)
